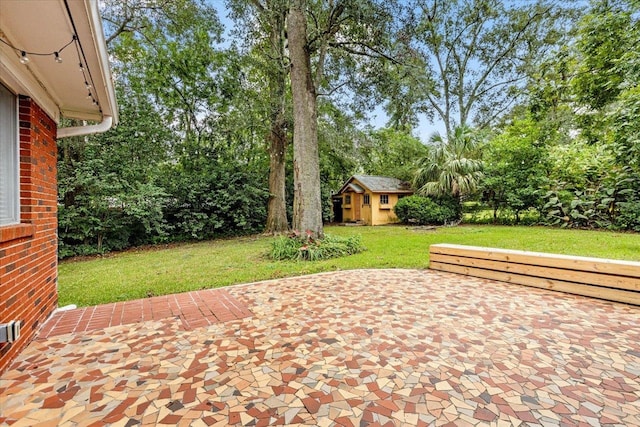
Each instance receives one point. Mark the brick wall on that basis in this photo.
(28, 251)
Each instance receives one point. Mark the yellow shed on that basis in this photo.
(371, 199)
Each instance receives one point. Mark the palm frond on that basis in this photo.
(452, 167)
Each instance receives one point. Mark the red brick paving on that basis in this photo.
(194, 309)
(367, 347)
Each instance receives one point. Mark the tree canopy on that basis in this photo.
(255, 132)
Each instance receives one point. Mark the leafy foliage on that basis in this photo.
(629, 217)
(452, 167)
(389, 152)
(586, 106)
(304, 247)
(426, 210)
(515, 169)
(599, 207)
(183, 162)
(559, 98)
(214, 200)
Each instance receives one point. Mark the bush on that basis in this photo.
(305, 247)
(629, 218)
(426, 210)
(215, 200)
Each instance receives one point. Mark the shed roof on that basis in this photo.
(355, 188)
(379, 184)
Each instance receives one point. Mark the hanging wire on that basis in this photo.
(24, 53)
(82, 60)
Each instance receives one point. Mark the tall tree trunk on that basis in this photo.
(307, 204)
(277, 138)
(277, 207)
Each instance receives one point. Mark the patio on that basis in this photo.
(348, 348)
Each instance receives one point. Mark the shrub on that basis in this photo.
(629, 218)
(213, 201)
(426, 210)
(304, 247)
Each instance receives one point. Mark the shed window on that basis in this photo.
(384, 199)
(9, 182)
(366, 200)
(347, 199)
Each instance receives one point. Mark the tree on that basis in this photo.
(307, 205)
(452, 166)
(345, 41)
(475, 55)
(604, 36)
(516, 168)
(605, 88)
(268, 52)
(338, 137)
(390, 152)
(107, 196)
(183, 162)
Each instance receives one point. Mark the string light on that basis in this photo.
(24, 54)
(56, 54)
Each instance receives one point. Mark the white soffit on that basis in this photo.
(45, 26)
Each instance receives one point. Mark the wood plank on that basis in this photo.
(595, 265)
(597, 279)
(550, 284)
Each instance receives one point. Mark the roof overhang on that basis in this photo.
(354, 185)
(355, 188)
(347, 187)
(45, 26)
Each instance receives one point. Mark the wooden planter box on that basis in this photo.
(593, 277)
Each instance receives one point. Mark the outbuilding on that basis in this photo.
(370, 199)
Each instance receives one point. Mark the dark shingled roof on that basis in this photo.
(380, 184)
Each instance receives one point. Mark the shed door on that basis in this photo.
(357, 207)
(337, 209)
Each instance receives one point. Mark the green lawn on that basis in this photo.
(138, 274)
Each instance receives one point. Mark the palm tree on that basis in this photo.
(452, 167)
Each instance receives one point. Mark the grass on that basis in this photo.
(138, 274)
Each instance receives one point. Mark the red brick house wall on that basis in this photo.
(28, 251)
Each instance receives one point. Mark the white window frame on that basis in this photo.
(382, 199)
(10, 160)
(366, 200)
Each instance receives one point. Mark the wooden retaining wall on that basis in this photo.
(593, 277)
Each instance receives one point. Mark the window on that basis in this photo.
(366, 200)
(384, 199)
(9, 191)
(347, 199)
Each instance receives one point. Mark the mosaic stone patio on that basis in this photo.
(351, 348)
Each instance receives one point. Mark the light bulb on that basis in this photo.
(81, 67)
(24, 59)
(87, 85)
(58, 59)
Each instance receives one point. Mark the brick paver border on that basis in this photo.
(194, 309)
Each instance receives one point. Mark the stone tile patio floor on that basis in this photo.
(349, 348)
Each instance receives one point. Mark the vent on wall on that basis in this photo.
(9, 332)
